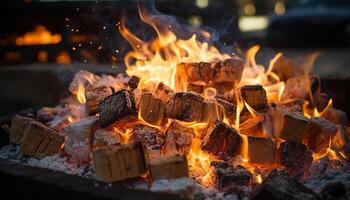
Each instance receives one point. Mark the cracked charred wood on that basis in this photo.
(252, 126)
(295, 157)
(152, 110)
(117, 109)
(40, 141)
(94, 96)
(319, 134)
(261, 150)
(103, 138)
(229, 109)
(336, 116)
(178, 138)
(290, 126)
(18, 128)
(255, 96)
(222, 141)
(168, 167)
(150, 137)
(279, 185)
(79, 138)
(119, 162)
(228, 177)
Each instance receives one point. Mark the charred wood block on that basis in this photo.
(117, 109)
(18, 128)
(229, 70)
(94, 96)
(178, 138)
(152, 110)
(151, 138)
(255, 96)
(103, 138)
(119, 163)
(222, 141)
(40, 141)
(223, 88)
(195, 87)
(168, 167)
(295, 157)
(290, 126)
(227, 177)
(79, 138)
(279, 186)
(128, 82)
(261, 150)
(195, 72)
(336, 116)
(319, 134)
(341, 142)
(297, 88)
(229, 109)
(185, 106)
(163, 92)
(252, 126)
(286, 68)
(334, 190)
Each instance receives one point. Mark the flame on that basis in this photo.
(81, 93)
(314, 111)
(244, 146)
(258, 179)
(40, 36)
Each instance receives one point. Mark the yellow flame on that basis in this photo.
(258, 179)
(81, 94)
(313, 112)
(40, 36)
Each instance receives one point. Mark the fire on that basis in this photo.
(313, 112)
(258, 179)
(81, 94)
(40, 36)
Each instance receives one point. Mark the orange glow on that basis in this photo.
(81, 94)
(308, 112)
(258, 179)
(40, 36)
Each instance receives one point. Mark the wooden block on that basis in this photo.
(178, 138)
(297, 88)
(279, 185)
(152, 110)
(79, 138)
(117, 109)
(319, 134)
(151, 138)
(229, 109)
(223, 88)
(94, 96)
(168, 167)
(222, 141)
(295, 157)
(18, 127)
(229, 70)
(163, 92)
(255, 96)
(227, 177)
(285, 68)
(261, 150)
(290, 126)
(336, 116)
(195, 72)
(128, 82)
(104, 138)
(40, 141)
(252, 126)
(47, 114)
(192, 87)
(119, 162)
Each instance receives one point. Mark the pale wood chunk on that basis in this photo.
(103, 138)
(94, 96)
(168, 167)
(117, 109)
(79, 138)
(261, 150)
(150, 137)
(178, 138)
(152, 110)
(18, 128)
(40, 141)
(119, 162)
(319, 134)
(255, 96)
(222, 141)
(290, 126)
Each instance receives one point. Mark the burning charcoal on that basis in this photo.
(255, 96)
(261, 150)
(286, 68)
(222, 141)
(290, 126)
(128, 82)
(320, 134)
(185, 106)
(252, 126)
(223, 88)
(168, 167)
(297, 88)
(152, 110)
(103, 138)
(163, 92)
(18, 127)
(229, 109)
(336, 116)
(279, 185)
(192, 87)
(40, 141)
(178, 138)
(117, 109)
(195, 72)
(94, 96)
(334, 190)
(229, 70)
(151, 138)
(79, 138)
(295, 157)
(119, 163)
(227, 177)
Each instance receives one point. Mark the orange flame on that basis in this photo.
(40, 36)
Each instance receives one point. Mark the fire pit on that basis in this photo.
(188, 120)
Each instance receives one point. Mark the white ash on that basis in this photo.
(108, 137)
(184, 187)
